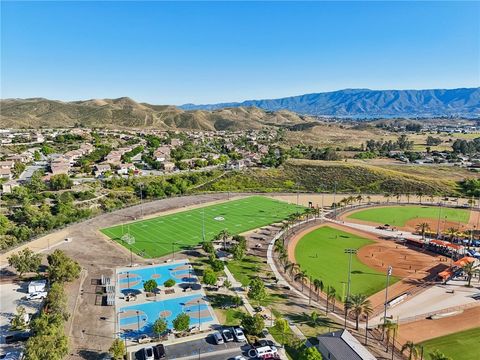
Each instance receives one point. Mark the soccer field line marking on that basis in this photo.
(169, 231)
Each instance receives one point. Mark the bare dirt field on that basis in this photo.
(426, 329)
(413, 266)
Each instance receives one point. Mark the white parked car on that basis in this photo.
(37, 295)
(238, 334)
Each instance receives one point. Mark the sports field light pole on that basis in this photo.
(350, 252)
(334, 200)
(389, 273)
(130, 240)
(173, 249)
(141, 200)
(438, 221)
(203, 224)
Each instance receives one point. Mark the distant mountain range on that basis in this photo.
(365, 103)
(125, 112)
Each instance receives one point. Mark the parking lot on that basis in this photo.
(205, 348)
(13, 295)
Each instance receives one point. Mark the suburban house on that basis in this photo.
(7, 164)
(101, 169)
(341, 345)
(5, 173)
(162, 153)
(123, 169)
(168, 166)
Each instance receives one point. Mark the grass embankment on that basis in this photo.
(321, 254)
(400, 215)
(463, 345)
(352, 176)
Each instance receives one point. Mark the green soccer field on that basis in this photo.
(155, 237)
(399, 215)
(463, 345)
(321, 254)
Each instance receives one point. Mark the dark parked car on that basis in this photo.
(159, 351)
(263, 342)
(13, 338)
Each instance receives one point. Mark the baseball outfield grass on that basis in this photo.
(321, 254)
(155, 237)
(463, 345)
(400, 215)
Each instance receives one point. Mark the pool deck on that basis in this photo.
(187, 277)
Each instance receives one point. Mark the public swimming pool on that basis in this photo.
(139, 318)
(134, 278)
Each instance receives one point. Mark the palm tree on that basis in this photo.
(331, 292)
(438, 355)
(359, 198)
(451, 232)
(293, 268)
(309, 211)
(283, 257)
(470, 269)
(420, 195)
(413, 350)
(387, 197)
(422, 228)
(390, 328)
(318, 285)
(279, 247)
(223, 235)
(301, 276)
(359, 305)
(397, 196)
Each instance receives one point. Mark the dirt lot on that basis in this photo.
(422, 330)
(413, 266)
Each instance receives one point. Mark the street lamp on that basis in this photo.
(199, 323)
(128, 279)
(138, 321)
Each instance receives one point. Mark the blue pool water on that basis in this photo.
(159, 273)
(151, 311)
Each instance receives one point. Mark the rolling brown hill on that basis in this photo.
(125, 112)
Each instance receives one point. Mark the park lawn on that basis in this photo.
(462, 345)
(399, 215)
(321, 254)
(246, 269)
(162, 235)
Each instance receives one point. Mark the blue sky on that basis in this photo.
(200, 52)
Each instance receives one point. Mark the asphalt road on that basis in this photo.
(203, 349)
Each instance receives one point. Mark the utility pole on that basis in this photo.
(389, 273)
